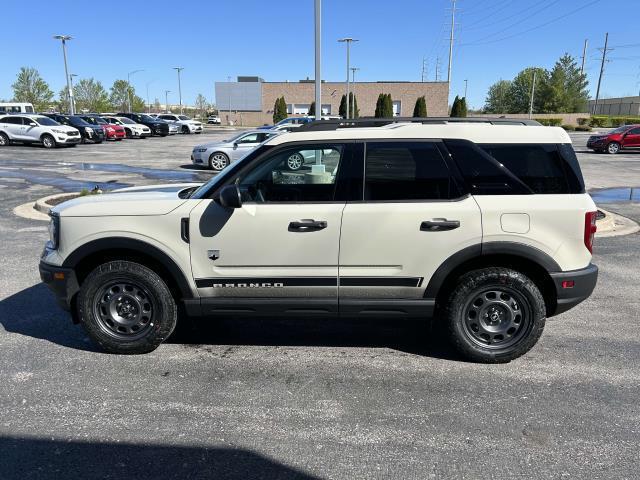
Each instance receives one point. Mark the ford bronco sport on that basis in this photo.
(483, 225)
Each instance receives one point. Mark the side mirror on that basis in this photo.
(230, 197)
(235, 145)
(33, 124)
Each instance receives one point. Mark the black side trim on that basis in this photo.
(440, 275)
(421, 307)
(380, 281)
(269, 306)
(584, 281)
(184, 229)
(116, 243)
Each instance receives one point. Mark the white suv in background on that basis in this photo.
(184, 123)
(482, 225)
(36, 129)
(131, 128)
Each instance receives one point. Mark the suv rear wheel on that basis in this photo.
(4, 140)
(126, 308)
(495, 315)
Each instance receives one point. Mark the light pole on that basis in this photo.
(348, 41)
(129, 87)
(148, 102)
(179, 69)
(318, 34)
(229, 116)
(166, 101)
(353, 81)
(466, 82)
(64, 39)
(71, 83)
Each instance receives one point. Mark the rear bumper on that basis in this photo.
(584, 281)
(61, 281)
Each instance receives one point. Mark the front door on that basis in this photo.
(245, 144)
(282, 242)
(412, 218)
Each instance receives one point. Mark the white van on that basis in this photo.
(16, 107)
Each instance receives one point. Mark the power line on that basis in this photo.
(493, 22)
(542, 25)
(494, 10)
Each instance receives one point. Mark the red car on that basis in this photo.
(624, 137)
(111, 132)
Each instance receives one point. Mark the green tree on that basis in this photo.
(62, 104)
(30, 87)
(312, 109)
(462, 107)
(342, 109)
(520, 91)
(379, 106)
(387, 107)
(119, 97)
(90, 95)
(353, 106)
(455, 107)
(201, 105)
(566, 89)
(420, 109)
(279, 110)
(498, 98)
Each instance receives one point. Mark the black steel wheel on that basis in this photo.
(494, 315)
(126, 307)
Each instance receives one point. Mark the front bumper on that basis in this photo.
(197, 158)
(584, 281)
(61, 281)
(70, 140)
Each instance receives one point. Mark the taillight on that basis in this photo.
(589, 229)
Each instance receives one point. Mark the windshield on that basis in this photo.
(183, 117)
(204, 189)
(46, 121)
(95, 120)
(126, 120)
(77, 121)
(147, 118)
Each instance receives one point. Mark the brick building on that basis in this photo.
(250, 100)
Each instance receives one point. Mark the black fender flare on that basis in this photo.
(144, 248)
(513, 249)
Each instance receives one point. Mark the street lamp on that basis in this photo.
(348, 41)
(465, 87)
(166, 101)
(353, 80)
(179, 69)
(129, 86)
(63, 39)
(71, 83)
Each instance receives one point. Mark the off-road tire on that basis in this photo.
(163, 308)
(457, 314)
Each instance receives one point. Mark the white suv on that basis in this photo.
(483, 225)
(36, 129)
(184, 123)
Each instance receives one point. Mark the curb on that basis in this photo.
(614, 225)
(42, 204)
(38, 210)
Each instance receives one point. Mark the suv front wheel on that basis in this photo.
(126, 307)
(48, 141)
(495, 315)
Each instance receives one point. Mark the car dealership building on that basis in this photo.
(250, 100)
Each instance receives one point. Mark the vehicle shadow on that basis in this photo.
(32, 458)
(33, 312)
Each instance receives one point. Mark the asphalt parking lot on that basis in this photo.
(305, 398)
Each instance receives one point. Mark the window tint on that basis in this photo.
(540, 166)
(13, 120)
(286, 176)
(634, 131)
(406, 171)
(28, 109)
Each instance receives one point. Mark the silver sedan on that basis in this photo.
(217, 155)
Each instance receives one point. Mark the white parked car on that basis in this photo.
(484, 227)
(184, 123)
(36, 129)
(213, 120)
(131, 128)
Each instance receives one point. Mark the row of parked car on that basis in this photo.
(55, 129)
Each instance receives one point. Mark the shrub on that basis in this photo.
(582, 121)
(618, 121)
(550, 122)
(583, 128)
(599, 121)
(420, 109)
(568, 127)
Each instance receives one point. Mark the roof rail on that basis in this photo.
(364, 122)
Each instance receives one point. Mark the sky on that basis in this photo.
(215, 39)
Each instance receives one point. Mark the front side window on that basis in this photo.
(183, 117)
(44, 121)
(396, 171)
(296, 174)
(634, 131)
(250, 138)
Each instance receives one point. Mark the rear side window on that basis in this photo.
(515, 169)
(406, 171)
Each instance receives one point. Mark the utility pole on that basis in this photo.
(584, 55)
(453, 23)
(466, 84)
(348, 41)
(166, 101)
(318, 42)
(148, 101)
(604, 57)
(179, 69)
(129, 87)
(424, 68)
(533, 92)
(64, 39)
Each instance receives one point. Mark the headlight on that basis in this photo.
(201, 150)
(89, 130)
(54, 230)
(55, 130)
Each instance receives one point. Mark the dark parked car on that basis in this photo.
(621, 138)
(91, 133)
(156, 125)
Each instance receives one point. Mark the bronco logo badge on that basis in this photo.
(248, 285)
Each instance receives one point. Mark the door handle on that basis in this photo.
(439, 225)
(307, 225)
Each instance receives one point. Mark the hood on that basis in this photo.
(134, 201)
(65, 128)
(211, 144)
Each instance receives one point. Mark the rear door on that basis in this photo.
(13, 127)
(632, 138)
(412, 217)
